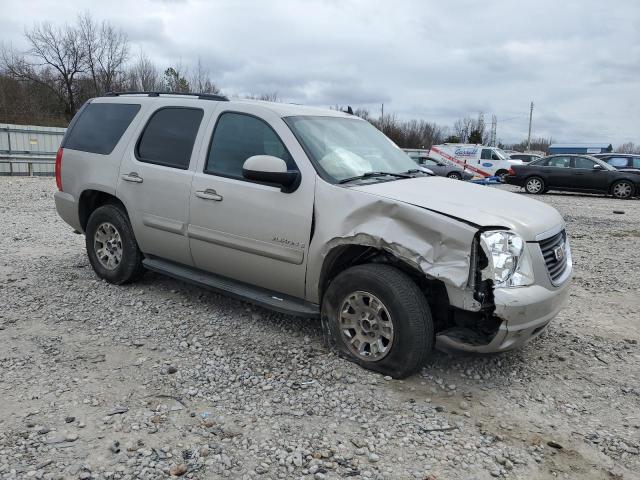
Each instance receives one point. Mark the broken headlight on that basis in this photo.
(509, 262)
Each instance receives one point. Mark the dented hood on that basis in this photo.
(476, 204)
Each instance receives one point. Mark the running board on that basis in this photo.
(242, 291)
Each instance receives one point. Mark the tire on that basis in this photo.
(623, 189)
(454, 175)
(535, 186)
(404, 308)
(502, 174)
(108, 233)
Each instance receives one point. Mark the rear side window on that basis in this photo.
(617, 161)
(239, 136)
(169, 136)
(636, 162)
(560, 162)
(100, 126)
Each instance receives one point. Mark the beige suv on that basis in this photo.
(314, 213)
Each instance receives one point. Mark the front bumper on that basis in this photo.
(523, 312)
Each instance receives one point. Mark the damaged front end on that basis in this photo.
(478, 279)
(506, 308)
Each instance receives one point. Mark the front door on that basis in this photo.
(155, 181)
(248, 231)
(585, 177)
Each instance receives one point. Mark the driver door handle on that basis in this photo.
(209, 194)
(132, 177)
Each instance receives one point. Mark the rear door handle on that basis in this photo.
(209, 194)
(132, 177)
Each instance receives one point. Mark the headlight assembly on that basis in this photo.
(509, 263)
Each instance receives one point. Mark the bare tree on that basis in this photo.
(200, 81)
(628, 147)
(55, 59)
(107, 50)
(143, 75)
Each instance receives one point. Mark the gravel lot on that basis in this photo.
(161, 378)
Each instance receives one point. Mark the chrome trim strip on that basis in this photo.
(249, 245)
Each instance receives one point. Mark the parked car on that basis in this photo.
(477, 159)
(579, 173)
(314, 213)
(525, 157)
(620, 160)
(444, 170)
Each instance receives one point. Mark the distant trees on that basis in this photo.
(64, 66)
(628, 147)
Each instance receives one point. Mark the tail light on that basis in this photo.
(59, 168)
(511, 171)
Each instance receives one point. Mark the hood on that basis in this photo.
(477, 204)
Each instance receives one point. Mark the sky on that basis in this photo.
(577, 60)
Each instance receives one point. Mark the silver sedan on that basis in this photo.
(444, 170)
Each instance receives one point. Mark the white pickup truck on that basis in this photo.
(482, 161)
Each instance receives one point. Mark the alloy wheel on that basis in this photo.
(622, 190)
(366, 326)
(107, 245)
(534, 185)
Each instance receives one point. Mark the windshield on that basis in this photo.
(348, 147)
(501, 153)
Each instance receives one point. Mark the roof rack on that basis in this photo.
(201, 96)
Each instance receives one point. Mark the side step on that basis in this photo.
(242, 291)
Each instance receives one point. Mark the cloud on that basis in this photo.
(579, 61)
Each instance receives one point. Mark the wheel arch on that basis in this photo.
(91, 199)
(342, 257)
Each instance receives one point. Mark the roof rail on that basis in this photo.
(201, 96)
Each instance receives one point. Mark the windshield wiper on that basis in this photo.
(374, 174)
(418, 170)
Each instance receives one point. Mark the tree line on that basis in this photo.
(64, 66)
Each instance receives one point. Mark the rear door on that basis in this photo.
(156, 174)
(557, 172)
(249, 231)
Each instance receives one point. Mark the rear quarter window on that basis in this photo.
(100, 126)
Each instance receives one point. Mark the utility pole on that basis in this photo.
(494, 128)
(382, 113)
(530, 118)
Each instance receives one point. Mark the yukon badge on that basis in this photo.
(287, 242)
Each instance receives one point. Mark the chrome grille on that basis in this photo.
(556, 254)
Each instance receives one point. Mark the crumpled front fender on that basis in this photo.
(433, 243)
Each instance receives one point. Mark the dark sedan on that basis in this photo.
(577, 173)
(620, 160)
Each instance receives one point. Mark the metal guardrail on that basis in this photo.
(24, 166)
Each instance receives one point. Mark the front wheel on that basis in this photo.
(454, 175)
(535, 185)
(622, 189)
(378, 316)
(111, 246)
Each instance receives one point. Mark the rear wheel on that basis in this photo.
(111, 246)
(379, 317)
(454, 175)
(535, 185)
(623, 189)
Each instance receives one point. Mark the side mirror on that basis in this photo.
(598, 167)
(269, 169)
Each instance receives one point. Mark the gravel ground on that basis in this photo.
(162, 378)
